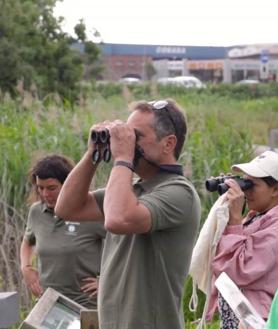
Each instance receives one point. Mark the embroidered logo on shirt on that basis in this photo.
(72, 228)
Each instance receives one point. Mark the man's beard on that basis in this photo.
(138, 154)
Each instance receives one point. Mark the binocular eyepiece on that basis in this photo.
(101, 137)
(218, 184)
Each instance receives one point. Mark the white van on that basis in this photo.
(130, 80)
(186, 81)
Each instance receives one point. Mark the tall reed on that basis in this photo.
(221, 132)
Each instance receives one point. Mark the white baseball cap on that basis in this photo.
(263, 165)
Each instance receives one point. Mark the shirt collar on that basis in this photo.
(45, 209)
(159, 177)
(172, 168)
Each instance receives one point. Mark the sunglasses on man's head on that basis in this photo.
(162, 105)
(159, 105)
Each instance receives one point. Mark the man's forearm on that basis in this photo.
(119, 196)
(74, 193)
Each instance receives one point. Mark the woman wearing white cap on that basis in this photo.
(248, 248)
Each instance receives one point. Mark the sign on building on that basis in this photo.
(264, 67)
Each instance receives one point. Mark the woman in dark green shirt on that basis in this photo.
(68, 253)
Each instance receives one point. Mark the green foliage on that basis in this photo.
(90, 56)
(80, 31)
(33, 49)
(222, 129)
(244, 92)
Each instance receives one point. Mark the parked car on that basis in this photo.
(165, 81)
(186, 81)
(247, 82)
(130, 80)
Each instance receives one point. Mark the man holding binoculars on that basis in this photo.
(151, 224)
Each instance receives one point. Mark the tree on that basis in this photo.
(150, 70)
(33, 48)
(91, 53)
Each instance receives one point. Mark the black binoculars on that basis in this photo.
(101, 137)
(218, 184)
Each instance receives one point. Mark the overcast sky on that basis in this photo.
(176, 22)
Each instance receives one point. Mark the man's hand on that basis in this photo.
(90, 285)
(31, 277)
(122, 141)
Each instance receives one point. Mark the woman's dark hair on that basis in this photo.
(270, 181)
(50, 166)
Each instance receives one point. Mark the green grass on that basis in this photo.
(223, 125)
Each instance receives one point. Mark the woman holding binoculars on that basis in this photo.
(247, 250)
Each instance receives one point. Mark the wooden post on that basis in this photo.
(89, 319)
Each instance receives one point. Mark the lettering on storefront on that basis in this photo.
(170, 50)
(205, 65)
(245, 66)
(243, 52)
(175, 65)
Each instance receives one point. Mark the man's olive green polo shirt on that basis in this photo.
(142, 276)
(67, 251)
